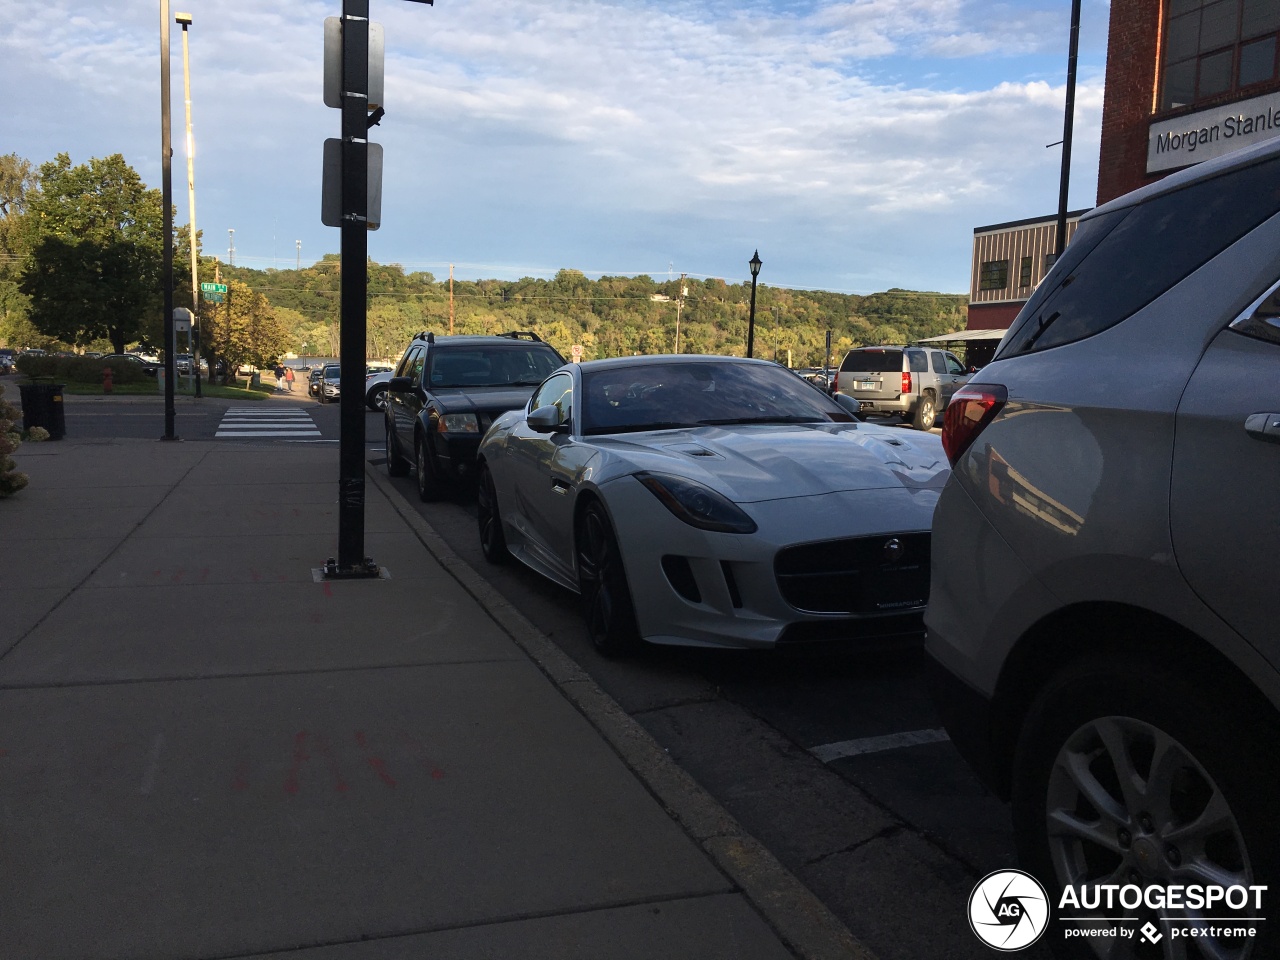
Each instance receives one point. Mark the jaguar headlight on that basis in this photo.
(458, 423)
(696, 504)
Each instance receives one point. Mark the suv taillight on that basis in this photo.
(906, 383)
(973, 407)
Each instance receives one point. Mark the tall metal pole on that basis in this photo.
(185, 20)
(754, 264)
(1067, 122)
(354, 289)
(166, 200)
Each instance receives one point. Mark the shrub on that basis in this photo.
(79, 369)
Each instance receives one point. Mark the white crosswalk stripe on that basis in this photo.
(241, 423)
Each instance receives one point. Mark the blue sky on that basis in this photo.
(855, 144)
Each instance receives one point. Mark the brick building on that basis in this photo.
(1187, 80)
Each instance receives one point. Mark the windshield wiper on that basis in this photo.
(737, 420)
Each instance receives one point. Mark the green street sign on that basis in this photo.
(211, 297)
(213, 288)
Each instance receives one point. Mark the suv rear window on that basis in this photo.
(1124, 260)
(873, 361)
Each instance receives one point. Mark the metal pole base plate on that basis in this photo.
(366, 570)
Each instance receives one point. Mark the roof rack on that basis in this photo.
(521, 335)
(426, 335)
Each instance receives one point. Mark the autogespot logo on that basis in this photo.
(1008, 910)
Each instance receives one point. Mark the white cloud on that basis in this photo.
(541, 132)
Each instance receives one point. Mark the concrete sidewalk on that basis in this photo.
(205, 752)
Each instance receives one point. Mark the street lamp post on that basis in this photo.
(166, 200)
(754, 263)
(185, 20)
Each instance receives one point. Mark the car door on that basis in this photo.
(543, 476)
(1224, 511)
(403, 407)
(955, 377)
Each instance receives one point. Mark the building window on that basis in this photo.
(994, 275)
(1049, 260)
(1217, 46)
(1024, 272)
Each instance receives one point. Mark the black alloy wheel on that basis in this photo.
(602, 581)
(493, 542)
(396, 465)
(430, 488)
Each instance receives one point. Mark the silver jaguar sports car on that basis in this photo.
(712, 501)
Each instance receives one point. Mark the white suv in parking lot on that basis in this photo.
(1103, 622)
(915, 383)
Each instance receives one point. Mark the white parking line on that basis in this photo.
(890, 741)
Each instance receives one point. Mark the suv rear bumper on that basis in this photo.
(902, 405)
(966, 715)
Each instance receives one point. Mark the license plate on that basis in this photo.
(865, 385)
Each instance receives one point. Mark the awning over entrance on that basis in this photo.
(965, 336)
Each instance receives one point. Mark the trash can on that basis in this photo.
(42, 407)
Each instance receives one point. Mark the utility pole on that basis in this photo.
(298, 244)
(451, 299)
(231, 248)
(1073, 47)
(679, 308)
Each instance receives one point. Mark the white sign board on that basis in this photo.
(1211, 133)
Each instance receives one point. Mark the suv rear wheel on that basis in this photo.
(1127, 775)
(926, 412)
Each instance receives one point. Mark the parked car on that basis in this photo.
(915, 383)
(375, 389)
(132, 359)
(447, 391)
(329, 385)
(1102, 623)
(314, 379)
(182, 364)
(742, 507)
(8, 360)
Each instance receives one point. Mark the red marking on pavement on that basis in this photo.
(240, 781)
(378, 765)
(420, 754)
(300, 756)
(3, 752)
(255, 575)
(340, 785)
(157, 573)
(177, 577)
(328, 590)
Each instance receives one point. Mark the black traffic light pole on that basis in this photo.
(1068, 122)
(355, 254)
(352, 561)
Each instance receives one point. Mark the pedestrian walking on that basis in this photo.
(279, 378)
(288, 378)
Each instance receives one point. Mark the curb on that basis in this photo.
(805, 925)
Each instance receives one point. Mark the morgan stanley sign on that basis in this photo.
(1211, 133)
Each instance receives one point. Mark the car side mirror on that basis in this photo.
(546, 420)
(400, 384)
(850, 404)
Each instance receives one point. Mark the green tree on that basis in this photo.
(244, 330)
(17, 180)
(95, 245)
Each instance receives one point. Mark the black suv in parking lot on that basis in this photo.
(444, 394)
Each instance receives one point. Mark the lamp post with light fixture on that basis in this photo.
(755, 263)
(185, 20)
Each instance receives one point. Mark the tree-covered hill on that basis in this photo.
(610, 316)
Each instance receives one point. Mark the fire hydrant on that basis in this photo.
(106, 379)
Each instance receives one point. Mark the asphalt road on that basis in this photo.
(834, 759)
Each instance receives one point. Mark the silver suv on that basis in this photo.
(1102, 622)
(913, 382)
